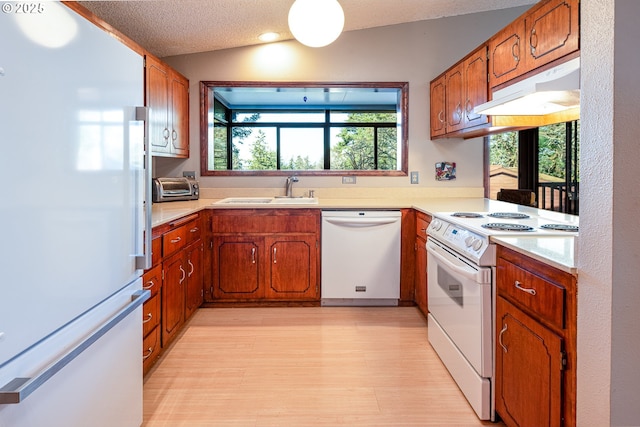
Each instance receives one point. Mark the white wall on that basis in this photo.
(609, 246)
(415, 52)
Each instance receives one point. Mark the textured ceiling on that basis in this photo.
(176, 27)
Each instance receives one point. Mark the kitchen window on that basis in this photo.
(312, 129)
(544, 160)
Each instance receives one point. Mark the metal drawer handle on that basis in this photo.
(148, 319)
(274, 255)
(194, 230)
(530, 291)
(504, 329)
(253, 255)
(149, 353)
(151, 285)
(176, 240)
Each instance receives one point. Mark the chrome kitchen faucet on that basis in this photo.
(289, 185)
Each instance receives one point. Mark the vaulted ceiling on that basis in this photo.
(177, 27)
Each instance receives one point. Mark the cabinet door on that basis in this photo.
(236, 265)
(421, 275)
(552, 32)
(506, 53)
(173, 291)
(293, 267)
(454, 98)
(179, 112)
(438, 114)
(476, 87)
(157, 99)
(529, 364)
(194, 291)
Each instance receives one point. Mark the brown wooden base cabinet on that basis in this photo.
(151, 345)
(536, 342)
(266, 254)
(422, 222)
(175, 282)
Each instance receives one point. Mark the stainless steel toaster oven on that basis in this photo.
(175, 189)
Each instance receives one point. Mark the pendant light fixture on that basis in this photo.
(316, 23)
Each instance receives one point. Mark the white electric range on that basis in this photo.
(461, 289)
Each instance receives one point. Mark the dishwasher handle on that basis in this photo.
(361, 222)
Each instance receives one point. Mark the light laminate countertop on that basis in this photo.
(560, 252)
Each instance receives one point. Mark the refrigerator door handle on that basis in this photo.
(143, 261)
(18, 389)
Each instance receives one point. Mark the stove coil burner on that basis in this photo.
(466, 215)
(560, 227)
(507, 227)
(508, 215)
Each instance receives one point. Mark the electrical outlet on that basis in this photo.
(189, 174)
(415, 179)
(348, 179)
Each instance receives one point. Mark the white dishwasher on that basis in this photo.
(360, 257)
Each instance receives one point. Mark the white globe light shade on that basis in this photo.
(316, 23)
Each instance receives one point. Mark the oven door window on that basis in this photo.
(461, 304)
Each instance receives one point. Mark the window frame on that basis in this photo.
(206, 103)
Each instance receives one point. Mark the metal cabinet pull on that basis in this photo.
(194, 230)
(151, 285)
(530, 291)
(165, 133)
(515, 51)
(533, 41)
(441, 116)
(176, 240)
(274, 255)
(148, 319)
(184, 275)
(504, 329)
(192, 268)
(149, 353)
(253, 255)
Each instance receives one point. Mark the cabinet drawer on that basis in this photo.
(422, 222)
(539, 296)
(193, 231)
(266, 221)
(152, 280)
(174, 240)
(150, 314)
(150, 349)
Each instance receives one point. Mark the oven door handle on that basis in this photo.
(464, 270)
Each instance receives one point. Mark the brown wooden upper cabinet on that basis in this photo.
(456, 92)
(167, 96)
(548, 31)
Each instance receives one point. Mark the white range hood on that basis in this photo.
(550, 91)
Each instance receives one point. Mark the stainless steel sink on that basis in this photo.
(268, 200)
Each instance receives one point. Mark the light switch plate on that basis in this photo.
(415, 177)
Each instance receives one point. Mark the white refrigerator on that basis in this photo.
(74, 179)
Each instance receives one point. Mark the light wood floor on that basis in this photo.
(304, 366)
